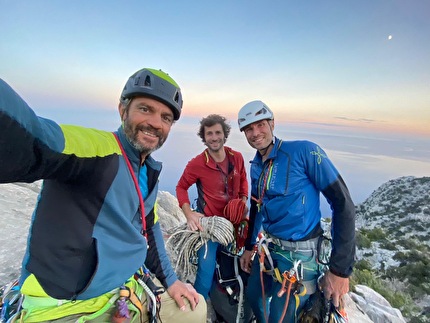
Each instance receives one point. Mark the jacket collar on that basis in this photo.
(210, 161)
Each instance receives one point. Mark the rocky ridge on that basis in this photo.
(363, 303)
(393, 243)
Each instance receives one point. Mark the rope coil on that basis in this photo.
(185, 243)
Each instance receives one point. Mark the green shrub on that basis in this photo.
(362, 241)
(388, 245)
(363, 264)
(376, 234)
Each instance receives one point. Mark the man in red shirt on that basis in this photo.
(219, 174)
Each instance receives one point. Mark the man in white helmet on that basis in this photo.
(287, 178)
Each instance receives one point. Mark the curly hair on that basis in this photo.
(212, 120)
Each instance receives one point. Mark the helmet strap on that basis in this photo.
(264, 150)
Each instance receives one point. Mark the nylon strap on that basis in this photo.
(136, 185)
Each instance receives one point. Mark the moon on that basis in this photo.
(390, 37)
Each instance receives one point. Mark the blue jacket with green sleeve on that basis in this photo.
(85, 236)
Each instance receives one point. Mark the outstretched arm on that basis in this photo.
(28, 143)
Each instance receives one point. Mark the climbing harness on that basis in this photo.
(291, 283)
(127, 294)
(265, 259)
(185, 243)
(122, 313)
(153, 292)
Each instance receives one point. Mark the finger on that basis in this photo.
(180, 302)
(248, 268)
(242, 264)
(194, 296)
(193, 299)
(335, 300)
(327, 294)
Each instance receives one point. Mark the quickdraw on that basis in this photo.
(264, 257)
(291, 282)
(153, 292)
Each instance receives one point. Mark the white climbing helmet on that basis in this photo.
(252, 112)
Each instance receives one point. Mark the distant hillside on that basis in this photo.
(393, 243)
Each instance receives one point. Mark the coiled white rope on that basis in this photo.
(185, 243)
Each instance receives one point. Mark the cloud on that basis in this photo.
(360, 120)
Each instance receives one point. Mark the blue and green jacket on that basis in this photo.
(85, 235)
(288, 184)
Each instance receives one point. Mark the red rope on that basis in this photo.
(136, 185)
(234, 211)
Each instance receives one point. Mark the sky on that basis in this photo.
(353, 76)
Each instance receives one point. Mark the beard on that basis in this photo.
(219, 146)
(132, 134)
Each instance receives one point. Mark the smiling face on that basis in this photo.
(214, 137)
(259, 134)
(147, 123)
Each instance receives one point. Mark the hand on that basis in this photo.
(193, 221)
(246, 261)
(334, 287)
(178, 290)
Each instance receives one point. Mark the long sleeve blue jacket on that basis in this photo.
(287, 186)
(85, 236)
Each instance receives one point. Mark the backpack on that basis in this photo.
(227, 292)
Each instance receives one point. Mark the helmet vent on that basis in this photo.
(176, 98)
(261, 111)
(147, 81)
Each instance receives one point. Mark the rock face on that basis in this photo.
(169, 213)
(376, 307)
(17, 202)
(393, 243)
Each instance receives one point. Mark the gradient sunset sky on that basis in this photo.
(362, 65)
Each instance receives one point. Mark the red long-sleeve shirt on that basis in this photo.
(214, 187)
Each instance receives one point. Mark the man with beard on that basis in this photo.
(220, 177)
(95, 243)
